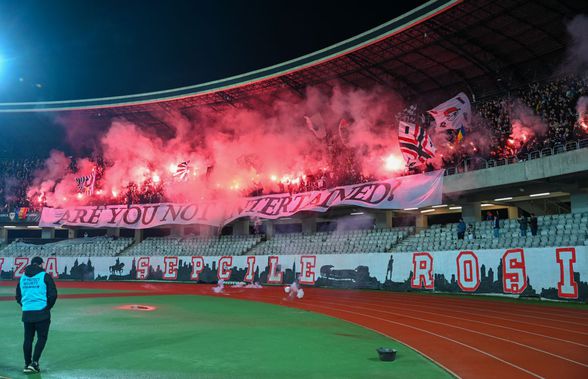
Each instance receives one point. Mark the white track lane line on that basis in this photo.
(470, 331)
(518, 308)
(482, 322)
(436, 335)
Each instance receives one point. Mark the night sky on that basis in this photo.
(61, 50)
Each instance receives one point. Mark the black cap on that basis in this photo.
(37, 261)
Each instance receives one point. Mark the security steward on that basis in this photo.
(36, 293)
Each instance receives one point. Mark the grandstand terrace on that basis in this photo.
(494, 51)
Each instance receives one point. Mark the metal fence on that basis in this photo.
(476, 163)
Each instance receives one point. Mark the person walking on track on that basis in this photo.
(36, 293)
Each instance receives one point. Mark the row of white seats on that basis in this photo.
(553, 230)
(177, 246)
(79, 247)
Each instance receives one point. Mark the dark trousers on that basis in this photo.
(42, 330)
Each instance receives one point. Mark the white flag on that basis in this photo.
(316, 125)
(454, 114)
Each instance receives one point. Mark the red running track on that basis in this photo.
(471, 338)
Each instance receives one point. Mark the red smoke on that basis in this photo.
(265, 142)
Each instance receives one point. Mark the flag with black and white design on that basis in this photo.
(415, 144)
(86, 183)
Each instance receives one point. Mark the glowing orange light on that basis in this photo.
(80, 196)
(156, 178)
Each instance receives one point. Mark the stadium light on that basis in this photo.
(428, 211)
(540, 194)
(487, 205)
(439, 206)
(356, 213)
(410, 209)
(455, 208)
(503, 199)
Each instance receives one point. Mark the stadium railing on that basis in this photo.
(472, 164)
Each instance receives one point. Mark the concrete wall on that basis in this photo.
(556, 165)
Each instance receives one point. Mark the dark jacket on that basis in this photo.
(44, 314)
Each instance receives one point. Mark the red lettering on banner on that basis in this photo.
(224, 273)
(307, 265)
(144, 219)
(20, 264)
(514, 271)
(80, 214)
(137, 216)
(274, 276)
(170, 268)
(184, 215)
(250, 274)
(143, 265)
(468, 271)
(174, 213)
(51, 267)
(115, 214)
(422, 268)
(94, 216)
(63, 219)
(197, 267)
(567, 287)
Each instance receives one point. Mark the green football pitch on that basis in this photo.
(190, 336)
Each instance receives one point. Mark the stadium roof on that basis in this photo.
(482, 47)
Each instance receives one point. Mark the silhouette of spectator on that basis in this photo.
(496, 226)
(534, 225)
(523, 225)
(461, 228)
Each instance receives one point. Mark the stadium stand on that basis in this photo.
(194, 245)
(553, 102)
(554, 230)
(79, 247)
(355, 241)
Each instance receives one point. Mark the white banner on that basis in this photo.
(398, 193)
(555, 273)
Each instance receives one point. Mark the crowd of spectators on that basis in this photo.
(553, 102)
(15, 177)
(552, 106)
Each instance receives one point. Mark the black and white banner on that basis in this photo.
(555, 273)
